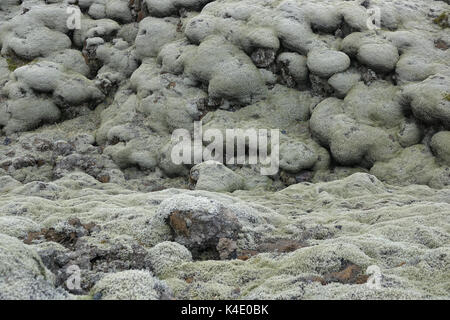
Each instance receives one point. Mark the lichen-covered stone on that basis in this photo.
(131, 285)
(17, 226)
(86, 175)
(214, 176)
(380, 57)
(427, 100)
(293, 68)
(229, 72)
(199, 223)
(166, 8)
(326, 63)
(23, 275)
(153, 34)
(342, 82)
(295, 157)
(440, 143)
(167, 255)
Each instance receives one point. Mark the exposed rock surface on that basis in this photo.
(91, 92)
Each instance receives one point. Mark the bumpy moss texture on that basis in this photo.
(296, 244)
(87, 181)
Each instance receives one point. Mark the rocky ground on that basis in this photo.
(360, 208)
